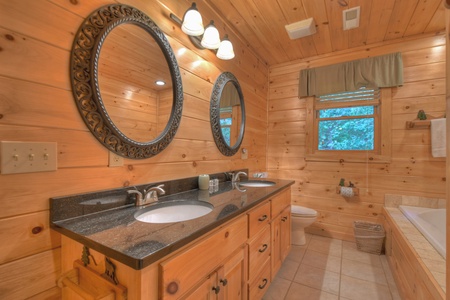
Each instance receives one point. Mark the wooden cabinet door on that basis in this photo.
(276, 245)
(281, 239)
(207, 290)
(186, 269)
(232, 277)
(285, 233)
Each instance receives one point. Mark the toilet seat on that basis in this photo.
(302, 211)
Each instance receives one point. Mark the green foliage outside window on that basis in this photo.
(353, 132)
(226, 129)
(346, 111)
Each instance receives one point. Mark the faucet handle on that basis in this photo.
(229, 176)
(158, 189)
(139, 194)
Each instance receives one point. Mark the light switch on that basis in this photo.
(28, 157)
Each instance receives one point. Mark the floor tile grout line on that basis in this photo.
(287, 292)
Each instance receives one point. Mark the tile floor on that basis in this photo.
(330, 269)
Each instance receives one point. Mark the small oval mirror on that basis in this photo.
(227, 114)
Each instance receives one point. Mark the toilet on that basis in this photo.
(301, 218)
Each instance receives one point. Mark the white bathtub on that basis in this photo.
(430, 222)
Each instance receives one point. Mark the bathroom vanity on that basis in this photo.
(233, 252)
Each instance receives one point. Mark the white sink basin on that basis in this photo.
(173, 211)
(257, 183)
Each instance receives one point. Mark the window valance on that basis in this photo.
(373, 72)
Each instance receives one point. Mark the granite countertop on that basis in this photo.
(114, 232)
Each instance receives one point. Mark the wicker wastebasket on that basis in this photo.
(369, 236)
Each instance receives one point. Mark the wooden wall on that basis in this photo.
(36, 104)
(413, 171)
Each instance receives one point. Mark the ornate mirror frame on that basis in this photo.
(222, 80)
(84, 79)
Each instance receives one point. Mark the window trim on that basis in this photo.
(383, 148)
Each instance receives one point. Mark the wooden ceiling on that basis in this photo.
(261, 23)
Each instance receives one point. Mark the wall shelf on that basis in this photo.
(420, 124)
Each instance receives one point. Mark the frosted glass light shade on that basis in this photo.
(225, 51)
(192, 22)
(211, 38)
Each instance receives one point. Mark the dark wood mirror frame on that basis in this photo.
(222, 80)
(84, 79)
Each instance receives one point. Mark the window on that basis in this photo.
(349, 126)
(226, 120)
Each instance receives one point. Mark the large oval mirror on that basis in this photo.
(227, 114)
(126, 81)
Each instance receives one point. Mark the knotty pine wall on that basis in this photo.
(413, 171)
(36, 104)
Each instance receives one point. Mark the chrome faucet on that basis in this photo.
(235, 177)
(150, 195)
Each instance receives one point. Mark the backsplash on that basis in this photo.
(391, 200)
(83, 204)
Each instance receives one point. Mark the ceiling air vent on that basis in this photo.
(301, 29)
(351, 18)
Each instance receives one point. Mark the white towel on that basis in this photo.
(438, 137)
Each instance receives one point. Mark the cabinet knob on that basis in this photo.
(262, 218)
(172, 288)
(263, 285)
(284, 219)
(264, 248)
(216, 289)
(224, 282)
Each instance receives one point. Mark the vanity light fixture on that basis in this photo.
(225, 50)
(208, 38)
(192, 22)
(211, 38)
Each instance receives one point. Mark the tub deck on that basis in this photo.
(418, 268)
(430, 222)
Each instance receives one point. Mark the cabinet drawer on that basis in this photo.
(259, 251)
(259, 285)
(280, 202)
(258, 218)
(181, 272)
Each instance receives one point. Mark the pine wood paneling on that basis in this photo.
(36, 104)
(26, 234)
(32, 275)
(447, 112)
(262, 23)
(412, 171)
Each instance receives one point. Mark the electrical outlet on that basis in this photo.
(244, 153)
(28, 157)
(115, 160)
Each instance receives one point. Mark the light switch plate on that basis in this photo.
(115, 160)
(28, 157)
(244, 153)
